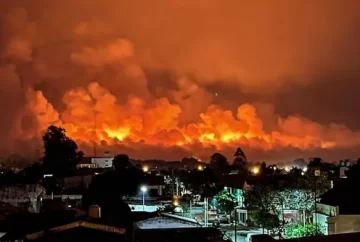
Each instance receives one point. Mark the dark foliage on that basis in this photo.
(108, 189)
(60, 152)
(219, 164)
(202, 182)
(121, 161)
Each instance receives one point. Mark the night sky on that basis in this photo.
(168, 79)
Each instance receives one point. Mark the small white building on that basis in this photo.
(333, 222)
(102, 162)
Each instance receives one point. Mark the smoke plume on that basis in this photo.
(167, 79)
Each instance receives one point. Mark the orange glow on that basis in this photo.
(199, 77)
(156, 122)
(120, 134)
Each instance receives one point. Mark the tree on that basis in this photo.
(260, 197)
(226, 201)
(219, 164)
(60, 152)
(295, 171)
(33, 173)
(298, 199)
(267, 220)
(121, 161)
(240, 161)
(299, 230)
(266, 204)
(108, 189)
(353, 172)
(263, 169)
(201, 182)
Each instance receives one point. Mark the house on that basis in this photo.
(81, 230)
(80, 181)
(86, 163)
(102, 162)
(62, 225)
(338, 210)
(27, 196)
(237, 184)
(168, 227)
(350, 237)
(148, 200)
(96, 162)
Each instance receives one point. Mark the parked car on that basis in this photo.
(258, 237)
(223, 218)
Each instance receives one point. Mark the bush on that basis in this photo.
(299, 230)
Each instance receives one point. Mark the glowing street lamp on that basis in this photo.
(255, 170)
(200, 167)
(143, 189)
(145, 168)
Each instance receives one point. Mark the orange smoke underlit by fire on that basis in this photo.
(93, 114)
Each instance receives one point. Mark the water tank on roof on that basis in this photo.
(94, 211)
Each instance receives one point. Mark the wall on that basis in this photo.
(344, 224)
(158, 189)
(322, 221)
(77, 181)
(24, 196)
(146, 208)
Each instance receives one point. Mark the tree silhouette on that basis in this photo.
(240, 162)
(108, 189)
(263, 169)
(202, 182)
(60, 152)
(121, 161)
(32, 173)
(295, 171)
(219, 164)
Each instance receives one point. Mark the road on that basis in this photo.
(240, 237)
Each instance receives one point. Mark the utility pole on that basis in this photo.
(172, 183)
(206, 211)
(95, 131)
(317, 174)
(191, 206)
(235, 222)
(177, 186)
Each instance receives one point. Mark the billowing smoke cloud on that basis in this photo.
(167, 79)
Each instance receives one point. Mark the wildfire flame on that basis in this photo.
(92, 115)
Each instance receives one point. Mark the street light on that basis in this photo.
(143, 189)
(255, 170)
(145, 168)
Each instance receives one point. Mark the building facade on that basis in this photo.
(28, 197)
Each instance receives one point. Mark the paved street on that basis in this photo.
(240, 236)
